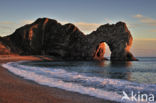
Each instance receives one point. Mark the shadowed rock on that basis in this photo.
(48, 37)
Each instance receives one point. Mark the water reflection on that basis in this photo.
(106, 69)
(142, 71)
(123, 73)
(116, 70)
(119, 64)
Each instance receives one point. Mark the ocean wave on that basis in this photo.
(105, 88)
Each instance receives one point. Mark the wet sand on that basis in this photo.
(14, 89)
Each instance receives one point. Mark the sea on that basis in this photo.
(124, 82)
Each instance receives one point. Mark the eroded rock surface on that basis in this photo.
(48, 37)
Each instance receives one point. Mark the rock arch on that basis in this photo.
(100, 52)
(48, 37)
(118, 38)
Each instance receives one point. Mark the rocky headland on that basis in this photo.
(48, 37)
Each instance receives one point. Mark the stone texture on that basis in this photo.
(48, 37)
(118, 38)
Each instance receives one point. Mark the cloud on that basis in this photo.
(87, 27)
(6, 23)
(153, 31)
(84, 26)
(8, 27)
(138, 16)
(145, 20)
(4, 27)
(10, 24)
(130, 25)
(26, 22)
(108, 20)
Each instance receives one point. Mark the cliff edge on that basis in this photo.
(48, 37)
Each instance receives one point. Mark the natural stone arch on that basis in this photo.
(48, 37)
(118, 38)
(101, 50)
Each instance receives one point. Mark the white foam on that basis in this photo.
(58, 77)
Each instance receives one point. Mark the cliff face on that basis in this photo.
(118, 38)
(48, 37)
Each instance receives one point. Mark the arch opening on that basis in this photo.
(102, 52)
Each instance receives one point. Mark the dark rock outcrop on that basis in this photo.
(48, 37)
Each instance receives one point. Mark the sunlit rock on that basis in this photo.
(48, 37)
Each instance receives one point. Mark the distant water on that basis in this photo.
(105, 80)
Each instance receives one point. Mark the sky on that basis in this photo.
(87, 15)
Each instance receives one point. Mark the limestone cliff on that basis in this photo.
(48, 37)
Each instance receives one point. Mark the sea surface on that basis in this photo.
(106, 80)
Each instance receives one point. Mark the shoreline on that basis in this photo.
(15, 89)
